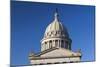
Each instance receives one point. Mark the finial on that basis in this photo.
(56, 15)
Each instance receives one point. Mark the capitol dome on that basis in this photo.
(55, 35)
(56, 27)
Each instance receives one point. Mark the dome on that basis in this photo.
(55, 35)
(56, 26)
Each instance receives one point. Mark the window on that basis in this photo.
(45, 42)
(50, 44)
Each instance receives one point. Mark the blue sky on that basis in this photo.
(29, 21)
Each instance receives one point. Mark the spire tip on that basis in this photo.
(56, 14)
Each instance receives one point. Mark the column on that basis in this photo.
(68, 46)
(64, 44)
(60, 44)
(47, 45)
(52, 43)
(56, 43)
(43, 47)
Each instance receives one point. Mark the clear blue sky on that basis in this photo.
(29, 21)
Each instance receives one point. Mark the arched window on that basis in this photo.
(55, 33)
(45, 45)
(51, 32)
(45, 42)
(50, 44)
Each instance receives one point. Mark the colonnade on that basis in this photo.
(55, 43)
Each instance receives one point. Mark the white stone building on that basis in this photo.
(55, 46)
